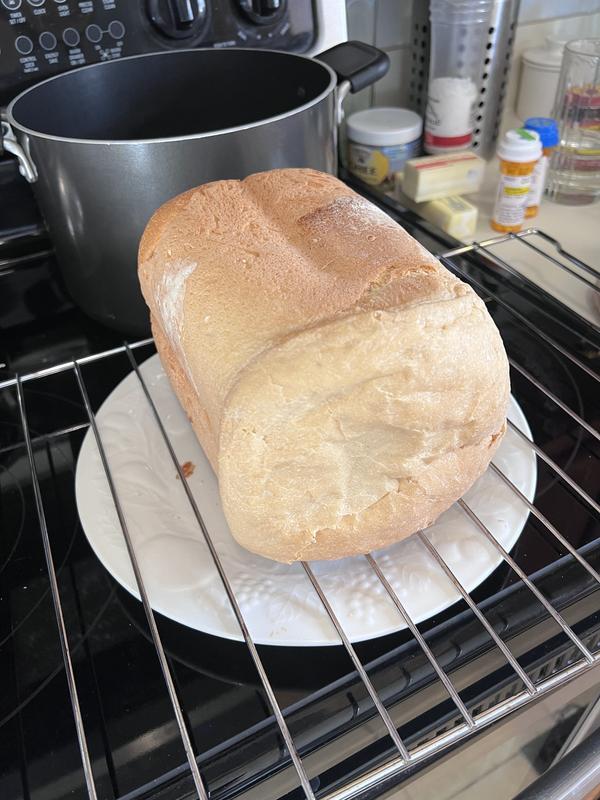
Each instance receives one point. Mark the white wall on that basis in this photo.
(389, 25)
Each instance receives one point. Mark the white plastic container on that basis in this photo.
(459, 31)
(539, 79)
(380, 141)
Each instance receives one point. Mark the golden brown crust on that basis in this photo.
(346, 386)
(186, 394)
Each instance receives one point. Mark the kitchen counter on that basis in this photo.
(577, 228)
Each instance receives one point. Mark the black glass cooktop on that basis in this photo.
(135, 748)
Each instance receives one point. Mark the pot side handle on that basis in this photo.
(357, 63)
(9, 143)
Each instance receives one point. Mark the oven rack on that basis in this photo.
(586, 650)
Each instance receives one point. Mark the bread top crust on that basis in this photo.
(257, 260)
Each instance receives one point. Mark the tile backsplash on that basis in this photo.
(387, 24)
(390, 25)
(538, 10)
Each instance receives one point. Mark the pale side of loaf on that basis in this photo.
(346, 387)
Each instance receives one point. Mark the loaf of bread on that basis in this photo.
(345, 387)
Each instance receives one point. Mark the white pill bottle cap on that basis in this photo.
(520, 145)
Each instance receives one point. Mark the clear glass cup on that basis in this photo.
(574, 175)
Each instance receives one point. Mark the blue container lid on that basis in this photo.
(547, 129)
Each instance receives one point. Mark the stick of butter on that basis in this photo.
(454, 215)
(434, 177)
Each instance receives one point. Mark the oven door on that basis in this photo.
(549, 750)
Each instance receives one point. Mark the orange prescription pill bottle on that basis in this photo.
(519, 151)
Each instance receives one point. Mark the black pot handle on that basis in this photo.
(356, 62)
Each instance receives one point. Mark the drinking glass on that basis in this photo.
(574, 176)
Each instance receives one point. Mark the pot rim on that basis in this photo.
(188, 137)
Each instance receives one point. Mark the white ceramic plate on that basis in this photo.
(277, 601)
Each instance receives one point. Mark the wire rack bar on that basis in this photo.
(60, 620)
(391, 728)
(530, 585)
(68, 365)
(509, 268)
(521, 317)
(573, 259)
(468, 248)
(164, 665)
(518, 669)
(546, 523)
(482, 247)
(519, 235)
(449, 686)
(435, 746)
(557, 401)
(47, 437)
(283, 728)
(554, 467)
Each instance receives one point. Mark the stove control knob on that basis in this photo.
(262, 12)
(178, 19)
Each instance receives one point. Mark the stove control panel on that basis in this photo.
(40, 38)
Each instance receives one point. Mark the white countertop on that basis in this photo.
(577, 228)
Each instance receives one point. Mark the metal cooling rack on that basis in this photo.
(526, 687)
